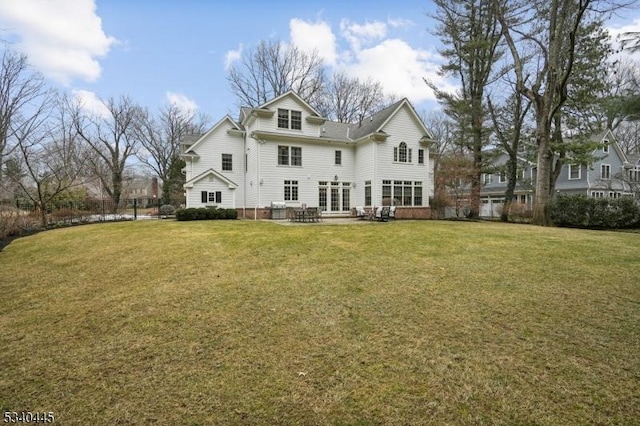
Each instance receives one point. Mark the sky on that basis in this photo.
(164, 51)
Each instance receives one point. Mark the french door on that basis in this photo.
(334, 197)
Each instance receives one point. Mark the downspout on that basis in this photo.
(376, 194)
(255, 207)
(244, 165)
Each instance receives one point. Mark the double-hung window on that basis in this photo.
(289, 119)
(605, 171)
(574, 171)
(338, 157)
(227, 162)
(289, 155)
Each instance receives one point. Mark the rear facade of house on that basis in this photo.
(285, 152)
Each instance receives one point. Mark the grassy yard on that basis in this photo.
(385, 323)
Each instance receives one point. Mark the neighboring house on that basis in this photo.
(144, 190)
(285, 151)
(607, 176)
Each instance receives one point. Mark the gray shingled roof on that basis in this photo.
(372, 124)
(344, 131)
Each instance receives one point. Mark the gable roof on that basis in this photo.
(376, 122)
(224, 119)
(210, 172)
(294, 95)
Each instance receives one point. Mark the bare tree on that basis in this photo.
(22, 91)
(350, 100)
(47, 156)
(111, 140)
(471, 35)
(443, 145)
(273, 68)
(160, 139)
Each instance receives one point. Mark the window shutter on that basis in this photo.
(218, 197)
(203, 196)
(395, 153)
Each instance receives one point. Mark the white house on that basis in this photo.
(285, 151)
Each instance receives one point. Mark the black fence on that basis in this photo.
(18, 217)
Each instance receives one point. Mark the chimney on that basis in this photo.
(154, 188)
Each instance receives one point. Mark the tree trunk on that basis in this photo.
(512, 176)
(543, 197)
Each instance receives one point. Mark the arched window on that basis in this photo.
(401, 153)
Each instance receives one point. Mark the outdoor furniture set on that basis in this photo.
(381, 213)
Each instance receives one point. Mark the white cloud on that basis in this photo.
(318, 36)
(370, 53)
(62, 38)
(357, 34)
(232, 56)
(400, 69)
(401, 23)
(181, 101)
(91, 103)
(617, 35)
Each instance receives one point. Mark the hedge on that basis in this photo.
(580, 211)
(205, 213)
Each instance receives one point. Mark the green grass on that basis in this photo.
(385, 323)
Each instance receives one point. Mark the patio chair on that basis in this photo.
(384, 213)
(392, 212)
(361, 213)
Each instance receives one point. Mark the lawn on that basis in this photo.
(241, 322)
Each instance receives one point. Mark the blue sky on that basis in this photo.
(177, 51)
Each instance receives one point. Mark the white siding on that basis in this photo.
(210, 150)
(290, 103)
(403, 128)
(318, 164)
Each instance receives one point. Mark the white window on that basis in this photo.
(338, 157)
(575, 171)
(605, 171)
(289, 119)
(597, 194)
(502, 177)
(291, 190)
(605, 148)
(402, 154)
(402, 192)
(211, 197)
(487, 178)
(289, 155)
(227, 162)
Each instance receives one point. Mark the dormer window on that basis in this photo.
(289, 119)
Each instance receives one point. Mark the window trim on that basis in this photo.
(291, 190)
(292, 117)
(337, 159)
(228, 163)
(608, 173)
(605, 148)
(571, 169)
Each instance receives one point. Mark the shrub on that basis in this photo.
(206, 214)
(167, 210)
(581, 211)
